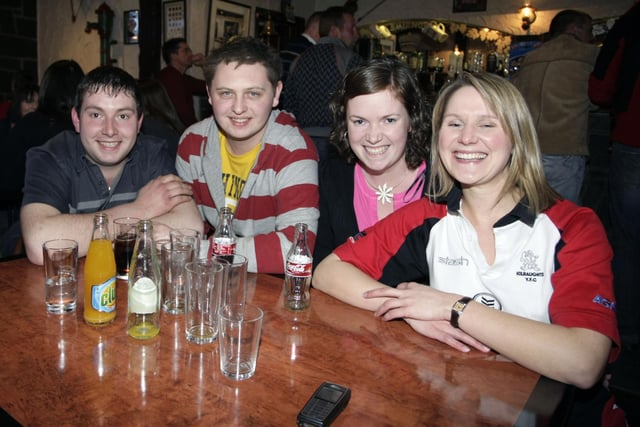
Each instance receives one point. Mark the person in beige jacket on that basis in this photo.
(554, 81)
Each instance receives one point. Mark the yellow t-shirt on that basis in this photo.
(235, 171)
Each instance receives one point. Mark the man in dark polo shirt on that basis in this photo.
(106, 166)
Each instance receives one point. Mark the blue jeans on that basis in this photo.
(565, 174)
(624, 206)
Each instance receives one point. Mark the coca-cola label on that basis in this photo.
(224, 248)
(299, 269)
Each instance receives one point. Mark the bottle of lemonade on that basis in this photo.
(100, 275)
(145, 284)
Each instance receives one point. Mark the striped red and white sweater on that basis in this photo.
(281, 190)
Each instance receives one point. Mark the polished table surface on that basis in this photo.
(56, 370)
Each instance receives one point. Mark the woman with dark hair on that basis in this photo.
(55, 101)
(25, 102)
(58, 88)
(160, 117)
(56, 98)
(19, 80)
(381, 131)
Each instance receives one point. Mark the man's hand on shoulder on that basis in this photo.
(162, 194)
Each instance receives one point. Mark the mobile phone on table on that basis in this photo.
(324, 406)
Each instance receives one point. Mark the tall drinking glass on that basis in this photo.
(202, 301)
(240, 329)
(187, 236)
(234, 288)
(174, 259)
(125, 232)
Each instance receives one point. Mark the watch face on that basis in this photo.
(459, 305)
(457, 309)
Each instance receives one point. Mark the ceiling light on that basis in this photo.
(528, 15)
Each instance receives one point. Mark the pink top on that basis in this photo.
(365, 200)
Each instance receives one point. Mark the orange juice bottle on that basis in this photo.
(100, 275)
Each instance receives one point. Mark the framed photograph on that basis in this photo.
(469, 6)
(388, 46)
(131, 25)
(174, 19)
(226, 21)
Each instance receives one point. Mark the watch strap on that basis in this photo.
(458, 309)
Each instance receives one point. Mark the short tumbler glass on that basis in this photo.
(60, 262)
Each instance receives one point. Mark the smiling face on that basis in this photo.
(377, 127)
(242, 98)
(472, 144)
(108, 126)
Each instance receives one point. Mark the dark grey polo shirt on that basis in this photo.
(59, 174)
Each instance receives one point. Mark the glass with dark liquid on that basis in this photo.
(125, 234)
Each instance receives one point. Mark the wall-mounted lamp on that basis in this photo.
(381, 31)
(528, 15)
(269, 29)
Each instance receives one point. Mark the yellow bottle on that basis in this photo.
(100, 275)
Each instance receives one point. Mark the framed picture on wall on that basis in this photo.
(469, 5)
(227, 20)
(174, 19)
(131, 24)
(388, 46)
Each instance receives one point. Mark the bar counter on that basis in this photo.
(56, 370)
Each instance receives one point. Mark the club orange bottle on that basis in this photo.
(100, 275)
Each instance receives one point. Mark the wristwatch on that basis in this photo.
(457, 309)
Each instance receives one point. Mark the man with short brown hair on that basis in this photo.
(554, 81)
(250, 157)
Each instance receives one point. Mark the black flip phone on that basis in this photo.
(324, 406)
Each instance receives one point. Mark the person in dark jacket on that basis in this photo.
(615, 84)
(56, 99)
(299, 44)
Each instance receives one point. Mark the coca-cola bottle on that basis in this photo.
(223, 243)
(297, 273)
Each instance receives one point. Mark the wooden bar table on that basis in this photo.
(56, 370)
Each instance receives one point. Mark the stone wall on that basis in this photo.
(19, 41)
